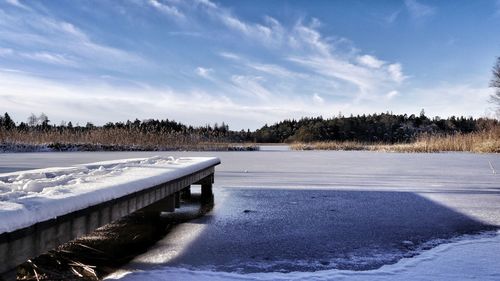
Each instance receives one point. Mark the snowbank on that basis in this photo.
(38, 195)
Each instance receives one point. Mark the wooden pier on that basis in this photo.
(22, 244)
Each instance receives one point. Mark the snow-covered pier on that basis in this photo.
(41, 209)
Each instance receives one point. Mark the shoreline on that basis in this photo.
(387, 149)
(315, 146)
(57, 147)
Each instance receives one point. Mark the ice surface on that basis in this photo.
(38, 195)
(469, 258)
(451, 185)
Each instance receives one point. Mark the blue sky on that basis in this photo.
(245, 62)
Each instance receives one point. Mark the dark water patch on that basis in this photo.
(322, 229)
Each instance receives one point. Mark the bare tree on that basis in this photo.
(32, 120)
(43, 119)
(495, 83)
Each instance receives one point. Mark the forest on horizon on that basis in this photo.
(381, 127)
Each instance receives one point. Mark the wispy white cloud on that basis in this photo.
(6, 52)
(370, 61)
(251, 86)
(59, 42)
(305, 46)
(166, 9)
(208, 3)
(52, 26)
(301, 44)
(45, 57)
(98, 103)
(369, 80)
(266, 68)
(307, 37)
(269, 33)
(391, 18)
(317, 99)
(279, 81)
(396, 72)
(392, 94)
(18, 4)
(276, 70)
(204, 72)
(50, 58)
(418, 10)
(24, 93)
(338, 69)
(186, 33)
(229, 55)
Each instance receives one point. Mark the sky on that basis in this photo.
(245, 63)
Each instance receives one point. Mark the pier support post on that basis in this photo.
(165, 205)
(207, 195)
(186, 193)
(177, 196)
(169, 204)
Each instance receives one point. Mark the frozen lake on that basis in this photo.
(284, 211)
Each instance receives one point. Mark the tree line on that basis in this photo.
(383, 127)
(42, 124)
(378, 127)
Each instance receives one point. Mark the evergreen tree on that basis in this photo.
(8, 123)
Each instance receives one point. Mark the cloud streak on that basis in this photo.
(418, 10)
(17, 4)
(166, 9)
(59, 42)
(269, 33)
(204, 72)
(314, 54)
(99, 103)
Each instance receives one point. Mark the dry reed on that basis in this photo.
(112, 139)
(487, 141)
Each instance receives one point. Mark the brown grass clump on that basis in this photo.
(330, 145)
(487, 141)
